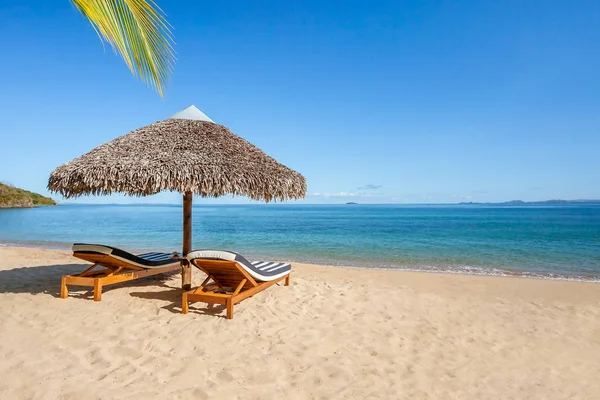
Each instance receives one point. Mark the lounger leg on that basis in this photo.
(287, 280)
(184, 304)
(64, 291)
(97, 290)
(230, 308)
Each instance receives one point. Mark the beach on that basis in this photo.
(335, 333)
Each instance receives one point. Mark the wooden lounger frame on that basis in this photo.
(232, 284)
(111, 274)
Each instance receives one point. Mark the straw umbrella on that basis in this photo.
(187, 153)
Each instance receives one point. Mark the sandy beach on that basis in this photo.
(333, 334)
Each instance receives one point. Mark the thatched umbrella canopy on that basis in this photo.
(187, 153)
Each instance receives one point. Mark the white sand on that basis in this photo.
(334, 334)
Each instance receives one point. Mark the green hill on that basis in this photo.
(12, 197)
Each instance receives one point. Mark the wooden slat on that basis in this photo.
(229, 299)
(240, 286)
(107, 261)
(116, 271)
(108, 277)
(226, 273)
(78, 281)
(98, 273)
(212, 294)
(250, 292)
(89, 270)
(207, 298)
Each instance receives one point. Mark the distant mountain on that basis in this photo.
(351, 202)
(534, 203)
(12, 197)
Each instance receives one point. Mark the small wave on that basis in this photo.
(38, 245)
(469, 270)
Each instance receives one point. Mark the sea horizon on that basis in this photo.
(513, 203)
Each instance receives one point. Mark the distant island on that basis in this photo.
(351, 202)
(12, 197)
(534, 203)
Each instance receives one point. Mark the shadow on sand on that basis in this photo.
(45, 279)
(173, 297)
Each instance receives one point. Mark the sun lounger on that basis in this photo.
(119, 266)
(234, 277)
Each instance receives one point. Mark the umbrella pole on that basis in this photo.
(186, 269)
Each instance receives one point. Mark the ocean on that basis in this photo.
(558, 241)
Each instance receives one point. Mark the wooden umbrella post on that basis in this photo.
(186, 268)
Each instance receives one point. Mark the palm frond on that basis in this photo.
(139, 32)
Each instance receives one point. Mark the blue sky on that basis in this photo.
(374, 102)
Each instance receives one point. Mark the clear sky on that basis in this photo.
(373, 101)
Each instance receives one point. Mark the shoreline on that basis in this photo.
(493, 283)
(450, 270)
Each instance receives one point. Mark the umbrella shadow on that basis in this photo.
(45, 279)
(173, 296)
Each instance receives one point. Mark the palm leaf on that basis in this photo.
(139, 32)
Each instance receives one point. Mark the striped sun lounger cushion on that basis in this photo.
(144, 260)
(259, 270)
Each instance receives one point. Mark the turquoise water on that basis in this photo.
(559, 241)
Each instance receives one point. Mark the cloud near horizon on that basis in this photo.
(370, 186)
(341, 194)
